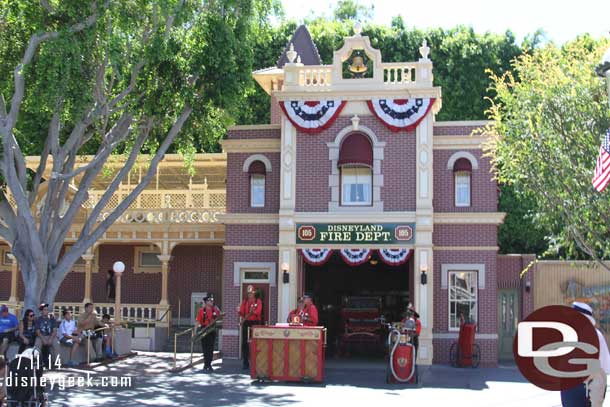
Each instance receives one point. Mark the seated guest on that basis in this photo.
(69, 335)
(9, 324)
(87, 325)
(27, 331)
(46, 334)
(107, 337)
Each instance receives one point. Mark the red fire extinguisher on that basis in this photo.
(402, 367)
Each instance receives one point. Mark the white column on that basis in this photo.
(14, 276)
(423, 260)
(287, 292)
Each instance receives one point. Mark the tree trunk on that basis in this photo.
(30, 263)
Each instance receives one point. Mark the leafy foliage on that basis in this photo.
(550, 112)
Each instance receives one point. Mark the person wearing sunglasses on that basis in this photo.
(27, 331)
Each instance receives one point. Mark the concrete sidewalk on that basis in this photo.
(347, 383)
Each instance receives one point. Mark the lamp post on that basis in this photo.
(603, 70)
(118, 267)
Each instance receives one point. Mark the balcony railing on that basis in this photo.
(186, 206)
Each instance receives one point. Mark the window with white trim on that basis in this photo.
(462, 171)
(146, 260)
(356, 185)
(463, 287)
(257, 190)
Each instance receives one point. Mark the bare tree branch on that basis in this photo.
(86, 240)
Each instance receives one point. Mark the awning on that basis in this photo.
(356, 150)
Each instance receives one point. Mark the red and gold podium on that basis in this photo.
(287, 353)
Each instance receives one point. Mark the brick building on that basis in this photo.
(353, 189)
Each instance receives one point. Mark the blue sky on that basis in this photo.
(561, 20)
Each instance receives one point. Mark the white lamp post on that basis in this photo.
(118, 267)
(603, 70)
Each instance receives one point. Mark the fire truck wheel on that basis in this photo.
(476, 356)
(454, 354)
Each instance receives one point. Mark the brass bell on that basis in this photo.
(357, 66)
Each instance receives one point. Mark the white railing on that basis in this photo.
(166, 216)
(399, 72)
(133, 313)
(315, 76)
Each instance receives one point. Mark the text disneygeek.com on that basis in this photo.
(66, 382)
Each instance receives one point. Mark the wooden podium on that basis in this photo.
(287, 353)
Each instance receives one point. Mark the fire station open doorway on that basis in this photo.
(355, 302)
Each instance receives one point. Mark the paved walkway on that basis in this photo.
(346, 384)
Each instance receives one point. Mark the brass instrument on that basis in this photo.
(202, 332)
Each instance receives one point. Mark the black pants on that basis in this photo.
(23, 346)
(245, 346)
(207, 346)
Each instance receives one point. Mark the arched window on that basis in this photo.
(462, 171)
(257, 171)
(356, 165)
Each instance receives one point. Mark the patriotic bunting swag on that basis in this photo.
(394, 257)
(400, 114)
(355, 257)
(312, 116)
(316, 257)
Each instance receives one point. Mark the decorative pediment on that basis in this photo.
(357, 57)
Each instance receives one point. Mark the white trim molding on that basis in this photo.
(239, 266)
(257, 157)
(446, 268)
(462, 154)
(334, 179)
(469, 218)
(258, 145)
(248, 218)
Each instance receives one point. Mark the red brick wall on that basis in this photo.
(72, 289)
(276, 111)
(465, 235)
(194, 268)
(487, 297)
(254, 133)
(251, 235)
(5, 285)
(231, 293)
(140, 288)
(454, 130)
(314, 167)
(483, 189)
(238, 185)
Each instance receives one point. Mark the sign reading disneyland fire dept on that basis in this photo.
(355, 233)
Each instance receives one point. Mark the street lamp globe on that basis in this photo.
(118, 267)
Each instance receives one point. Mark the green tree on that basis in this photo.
(353, 10)
(105, 77)
(550, 112)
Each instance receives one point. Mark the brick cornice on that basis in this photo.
(469, 218)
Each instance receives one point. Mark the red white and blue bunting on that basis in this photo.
(316, 257)
(312, 116)
(394, 257)
(401, 114)
(355, 257)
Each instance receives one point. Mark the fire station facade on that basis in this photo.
(353, 189)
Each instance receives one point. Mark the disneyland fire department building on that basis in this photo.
(353, 189)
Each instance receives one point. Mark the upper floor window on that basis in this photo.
(356, 162)
(257, 173)
(462, 171)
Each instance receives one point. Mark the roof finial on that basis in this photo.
(291, 53)
(357, 28)
(424, 50)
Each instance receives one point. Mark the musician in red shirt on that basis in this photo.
(250, 312)
(208, 314)
(297, 312)
(310, 312)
